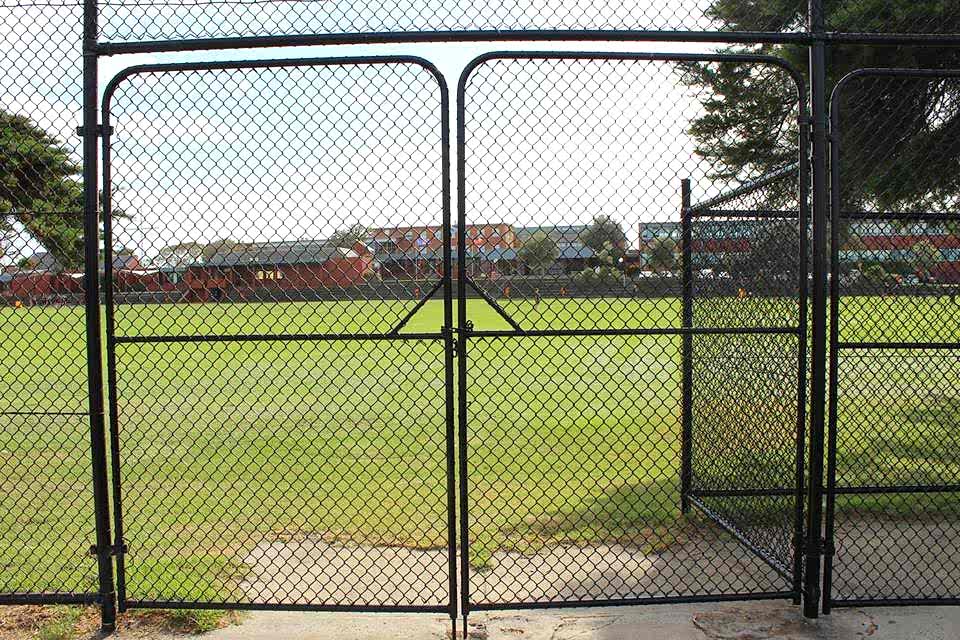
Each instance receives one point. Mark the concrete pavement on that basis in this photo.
(727, 621)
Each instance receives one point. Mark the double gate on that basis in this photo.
(288, 430)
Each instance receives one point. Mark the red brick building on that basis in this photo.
(417, 251)
(291, 265)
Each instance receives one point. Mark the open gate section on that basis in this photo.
(893, 520)
(745, 426)
(280, 383)
(598, 464)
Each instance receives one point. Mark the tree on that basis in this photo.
(926, 256)
(539, 252)
(605, 234)
(662, 254)
(875, 274)
(349, 236)
(606, 270)
(773, 255)
(222, 247)
(902, 153)
(40, 189)
(181, 254)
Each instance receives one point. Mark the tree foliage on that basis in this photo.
(539, 252)
(773, 254)
(181, 254)
(903, 152)
(926, 255)
(348, 236)
(606, 271)
(40, 190)
(662, 254)
(219, 248)
(605, 234)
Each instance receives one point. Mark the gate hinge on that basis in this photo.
(826, 547)
(805, 120)
(100, 131)
(469, 325)
(112, 550)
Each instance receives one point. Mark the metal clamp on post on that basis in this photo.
(100, 131)
(111, 551)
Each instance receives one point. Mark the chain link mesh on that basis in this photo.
(46, 527)
(897, 324)
(126, 21)
(574, 441)
(274, 259)
(270, 219)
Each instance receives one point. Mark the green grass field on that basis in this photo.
(227, 446)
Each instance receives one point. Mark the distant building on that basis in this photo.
(42, 261)
(286, 265)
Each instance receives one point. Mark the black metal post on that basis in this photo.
(448, 355)
(98, 446)
(833, 362)
(802, 321)
(113, 412)
(818, 342)
(686, 439)
(461, 346)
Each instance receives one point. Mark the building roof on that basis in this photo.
(125, 260)
(277, 253)
(44, 261)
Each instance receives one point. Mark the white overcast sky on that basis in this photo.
(194, 164)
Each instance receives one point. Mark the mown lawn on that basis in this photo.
(228, 446)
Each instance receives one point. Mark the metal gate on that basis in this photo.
(248, 431)
(892, 520)
(591, 415)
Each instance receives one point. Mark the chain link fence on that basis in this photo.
(892, 515)
(276, 449)
(575, 403)
(619, 413)
(46, 528)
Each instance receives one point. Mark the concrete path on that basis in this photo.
(733, 621)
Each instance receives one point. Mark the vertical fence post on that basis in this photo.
(686, 439)
(98, 446)
(833, 362)
(818, 343)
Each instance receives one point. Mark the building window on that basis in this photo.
(270, 275)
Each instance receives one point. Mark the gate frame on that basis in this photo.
(831, 490)
(444, 334)
(689, 213)
(465, 329)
